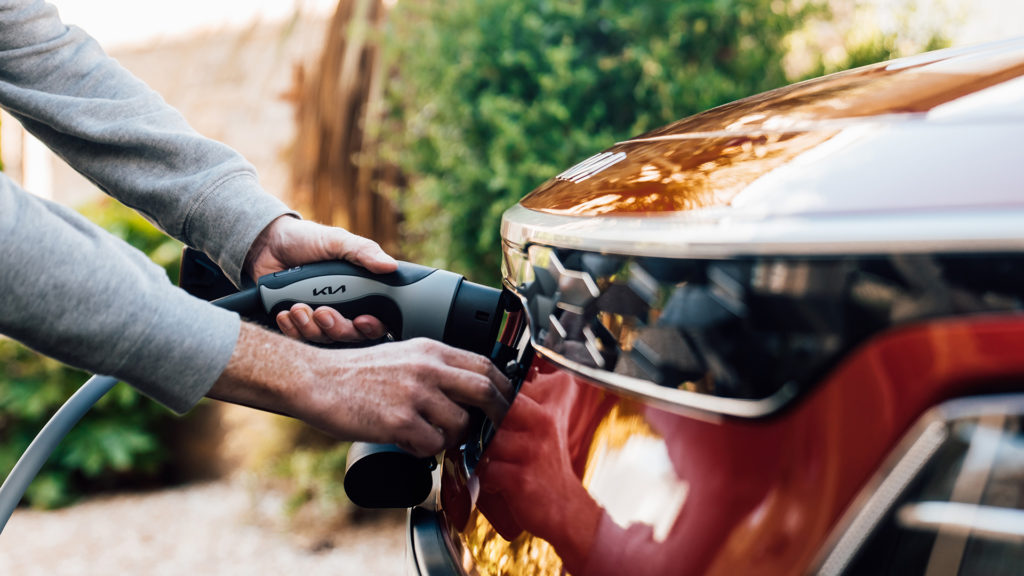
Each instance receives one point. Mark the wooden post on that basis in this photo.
(336, 171)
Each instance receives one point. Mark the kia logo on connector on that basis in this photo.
(328, 290)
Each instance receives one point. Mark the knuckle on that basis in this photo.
(432, 372)
(339, 331)
(482, 389)
(462, 420)
(416, 345)
(403, 422)
(483, 364)
(424, 345)
(435, 442)
(424, 445)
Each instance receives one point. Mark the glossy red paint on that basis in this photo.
(758, 496)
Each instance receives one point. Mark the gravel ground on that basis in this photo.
(215, 528)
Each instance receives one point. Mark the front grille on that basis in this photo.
(751, 332)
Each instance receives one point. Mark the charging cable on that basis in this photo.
(38, 452)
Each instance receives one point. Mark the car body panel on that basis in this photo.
(691, 494)
(599, 469)
(922, 112)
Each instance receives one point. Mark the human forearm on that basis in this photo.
(405, 393)
(266, 371)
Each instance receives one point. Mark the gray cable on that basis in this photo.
(46, 441)
(72, 411)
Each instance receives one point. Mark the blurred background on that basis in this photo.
(413, 122)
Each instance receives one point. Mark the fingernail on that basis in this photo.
(301, 317)
(324, 320)
(384, 258)
(285, 322)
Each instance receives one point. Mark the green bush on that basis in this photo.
(489, 98)
(121, 438)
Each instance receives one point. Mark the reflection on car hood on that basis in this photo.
(914, 151)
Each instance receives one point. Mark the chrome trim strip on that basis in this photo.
(732, 232)
(968, 488)
(695, 405)
(671, 399)
(591, 166)
(897, 471)
(880, 494)
(582, 166)
(989, 522)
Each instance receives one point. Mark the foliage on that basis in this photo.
(314, 475)
(862, 32)
(492, 98)
(121, 438)
(489, 98)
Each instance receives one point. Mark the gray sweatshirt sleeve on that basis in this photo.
(121, 135)
(72, 291)
(67, 288)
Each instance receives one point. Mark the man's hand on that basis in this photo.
(288, 242)
(406, 393)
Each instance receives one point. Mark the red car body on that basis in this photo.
(778, 337)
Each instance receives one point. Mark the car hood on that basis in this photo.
(913, 151)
